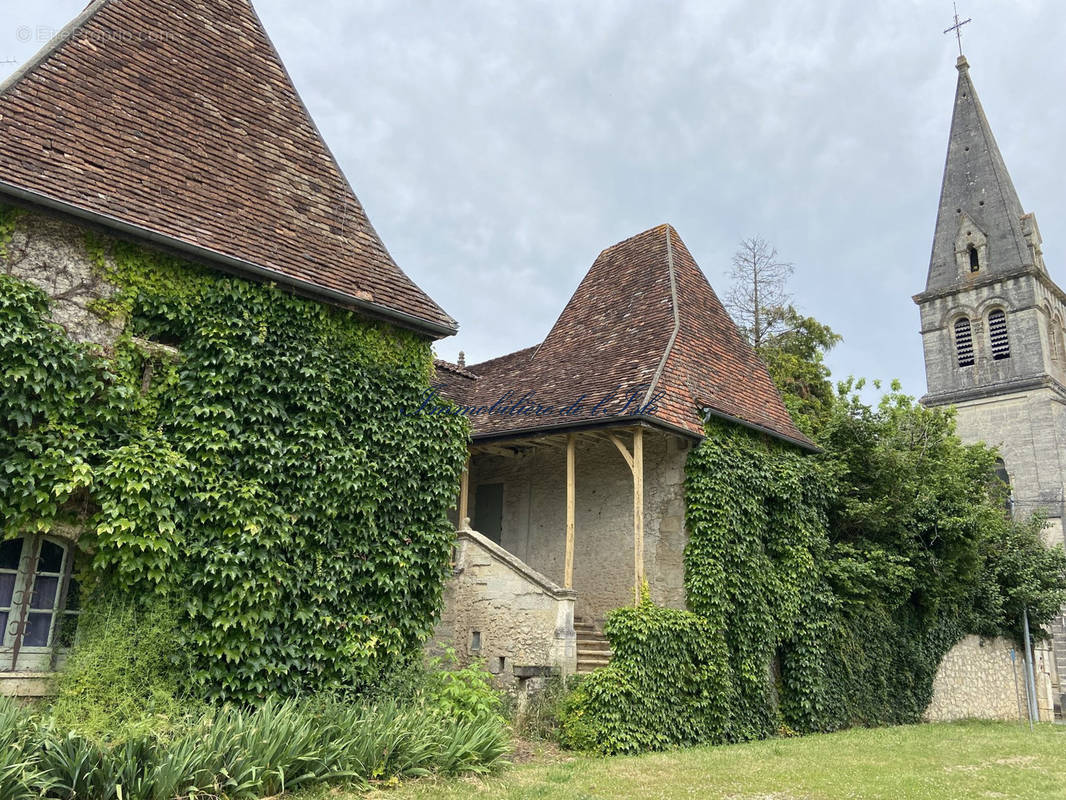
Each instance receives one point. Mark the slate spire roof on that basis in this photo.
(175, 120)
(976, 184)
(645, 324)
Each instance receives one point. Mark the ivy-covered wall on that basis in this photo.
(822, 590)
(241, 451)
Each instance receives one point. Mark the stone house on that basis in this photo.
(173, 125)
(992, 330)
(574, 493)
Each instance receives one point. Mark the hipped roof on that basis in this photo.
(176, 120)
(644, 323)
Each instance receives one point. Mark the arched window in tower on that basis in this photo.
(997, 334)
(975, 259)
(1058, 343)
(1004, 478)
(963, 342)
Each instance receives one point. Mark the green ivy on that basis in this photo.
(823, 590)
(244, 453)
(664, 686)
(757, 530)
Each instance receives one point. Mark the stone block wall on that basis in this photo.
(977, 679)
(498, 609)
(52, 254)
(534, 517)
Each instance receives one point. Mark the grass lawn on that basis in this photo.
(957, 760)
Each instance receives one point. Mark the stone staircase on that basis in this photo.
(593, 649)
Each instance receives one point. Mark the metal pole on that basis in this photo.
(1017, 688)
(1030, 677)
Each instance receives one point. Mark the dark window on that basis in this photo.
(488, 510)
(997, 335)
(975, 261)
(963, 342)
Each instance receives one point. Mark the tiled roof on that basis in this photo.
(177, 118)
(644, 320)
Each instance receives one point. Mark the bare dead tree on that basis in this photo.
(758, 299)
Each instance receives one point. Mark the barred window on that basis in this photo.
(963, 342)
(997, 334)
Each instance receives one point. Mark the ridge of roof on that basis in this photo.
(455, 369)
(202, 144)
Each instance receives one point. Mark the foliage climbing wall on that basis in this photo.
(244, 453)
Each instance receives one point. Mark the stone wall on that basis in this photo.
(52, 254)
(978, 679)
(498, 609)
(1029, 429)
(534, 517)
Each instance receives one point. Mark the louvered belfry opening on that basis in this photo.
(997, 335)
(963, 342)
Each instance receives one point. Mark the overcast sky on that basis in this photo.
(499, 147)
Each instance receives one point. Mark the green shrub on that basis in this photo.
(123, 675)
(465, 693)
(541, 718)
(668, 684)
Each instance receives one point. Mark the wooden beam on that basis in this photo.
(464, 497)
(622, 449)
(638, 512)
(568, 577)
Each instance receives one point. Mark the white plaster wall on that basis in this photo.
(534, 517)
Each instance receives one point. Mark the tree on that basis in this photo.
(791, 345)
(794, 358)
(758, 299)
(917, 523)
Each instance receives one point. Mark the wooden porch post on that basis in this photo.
(636, 466)
(638, 513)
(568, 576)
(464, 496)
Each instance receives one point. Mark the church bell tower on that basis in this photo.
(992, 323)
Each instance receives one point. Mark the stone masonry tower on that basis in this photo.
(992, 326)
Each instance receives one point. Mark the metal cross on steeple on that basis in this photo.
(956, 27)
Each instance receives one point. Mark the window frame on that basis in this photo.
(1000, 351)
(15, 654)
(956, 327)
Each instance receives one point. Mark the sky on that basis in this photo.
(498, 147)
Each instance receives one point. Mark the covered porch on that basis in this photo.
(584, 516)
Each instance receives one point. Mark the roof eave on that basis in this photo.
(572, 427)
(434, 330)
(803, 443)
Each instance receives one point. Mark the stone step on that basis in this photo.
(593, 647)
(586, 665)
